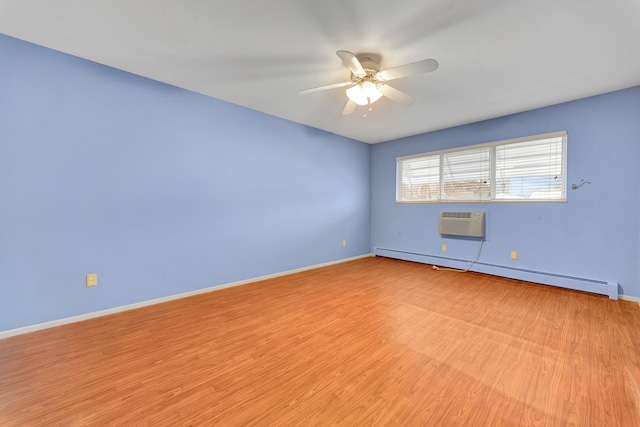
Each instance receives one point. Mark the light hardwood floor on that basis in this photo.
(372, 342)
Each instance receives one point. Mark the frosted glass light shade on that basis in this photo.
(364, 93)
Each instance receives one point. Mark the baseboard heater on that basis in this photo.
(601, 287)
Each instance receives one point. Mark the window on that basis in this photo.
(523, 169)
(466, 175)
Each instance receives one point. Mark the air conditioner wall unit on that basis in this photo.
(468, 224)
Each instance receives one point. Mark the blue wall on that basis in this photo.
(158, 190)
(595, 235)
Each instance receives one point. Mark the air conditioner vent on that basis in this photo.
(469, 224)
(456, 214)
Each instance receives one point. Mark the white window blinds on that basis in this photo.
(524, 169)
(530, 170)
(420, 178)
(466, 175)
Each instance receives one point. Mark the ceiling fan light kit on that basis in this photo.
(367, 84)
(364, 93)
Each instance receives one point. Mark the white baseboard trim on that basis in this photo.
(630, 298)
(87, 316)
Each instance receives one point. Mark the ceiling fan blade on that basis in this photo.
(396, 95)
(349, 108)
(352, 63)
(321, 88)
(424, 66)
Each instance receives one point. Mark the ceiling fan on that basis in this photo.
(368, 84)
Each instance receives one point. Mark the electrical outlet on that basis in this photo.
(514, 255)
(444, 247)
(92, 280)
(344, 243)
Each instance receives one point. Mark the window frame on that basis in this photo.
(493, 167)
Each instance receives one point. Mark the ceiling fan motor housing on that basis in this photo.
(371, 67)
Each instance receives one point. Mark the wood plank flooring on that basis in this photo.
(372, 342)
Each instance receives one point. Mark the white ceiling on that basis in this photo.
(496, 56)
